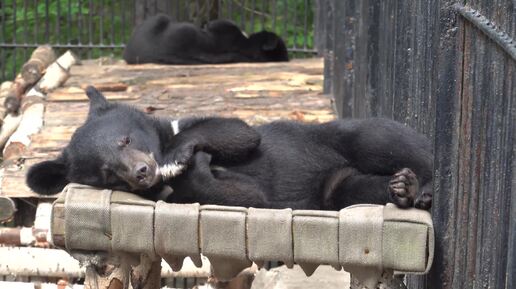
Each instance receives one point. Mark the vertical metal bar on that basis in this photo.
(90, 22)
(305, 26)
(14, 23)
(274, 6)
(242, 15)
(3, 60)
(79, 22)
(178, 8)
(262, 16)
(219, 6)
(230, 9)
(112, 22)
(4, 20)
(295, 26)
(253, 11)
(3, 41)
(197, 15)
(47, 21)
(167, 8)
(25, 24)
(90, 26)
(58, 22)
(68, 22)
(187, 11)
(101, 22)
(123, 23)
(36, 22)
(285, 20)
(25, 32)
(133, 13)
(15, 54)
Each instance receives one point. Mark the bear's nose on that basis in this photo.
(141, 170)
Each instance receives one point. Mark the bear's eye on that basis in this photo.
(124, 141)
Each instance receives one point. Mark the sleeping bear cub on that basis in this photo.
(161, 40)
(224, 161)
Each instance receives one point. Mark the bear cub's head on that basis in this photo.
(118, 147)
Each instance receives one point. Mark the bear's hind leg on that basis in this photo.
(349, 186)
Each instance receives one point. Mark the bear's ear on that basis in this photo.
(98, 102)
(48, 177)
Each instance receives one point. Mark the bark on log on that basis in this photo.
(40, 59)
(7, 209)
(10, 122)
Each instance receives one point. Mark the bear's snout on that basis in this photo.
(141, 171)
(143, 175)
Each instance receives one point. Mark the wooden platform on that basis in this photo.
(257, 93)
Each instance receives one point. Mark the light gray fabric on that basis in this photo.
(360, 235)
(419, 240)
(223, 239)
(87, 218)
(403, 247)
(360, 242)
(269, 236)
(132, 228)
(177, 233)
(316, 239)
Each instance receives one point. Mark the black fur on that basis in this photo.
(159, 40)
(276, 165)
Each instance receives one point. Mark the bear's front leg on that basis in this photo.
(226, 139)
(202, 184)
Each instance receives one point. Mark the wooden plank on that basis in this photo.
(73, 95)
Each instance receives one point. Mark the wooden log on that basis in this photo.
(7, 89)
(7, 209)
(57, 73)
(31, 72)
(40, 59)
(9, 126)
(32, 107)
(30, 123)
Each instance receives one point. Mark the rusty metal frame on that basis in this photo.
(489, 28)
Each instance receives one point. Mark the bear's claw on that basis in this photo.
(403, 188)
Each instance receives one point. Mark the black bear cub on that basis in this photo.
(224, 161)
(160, 40)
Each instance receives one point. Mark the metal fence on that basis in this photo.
(101, 28)
(448, 70)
